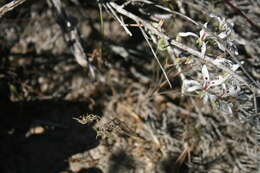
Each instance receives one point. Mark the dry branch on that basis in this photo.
(10, 6)
(72, 37)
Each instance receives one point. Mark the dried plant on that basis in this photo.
(10, 6)
(89, 118)
(218, 76)
(108, 128)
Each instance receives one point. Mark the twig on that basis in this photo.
(10, 6)
(72, 37)
(118, 19)
(179, 70)
(168, 10)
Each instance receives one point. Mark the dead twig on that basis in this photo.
(72, 37)
(113, 13)
(10, 6)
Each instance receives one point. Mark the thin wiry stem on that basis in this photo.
(155, 56)
(72, 36)
(118, 19)
(10, 6)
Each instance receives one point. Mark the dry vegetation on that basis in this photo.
(166, 86)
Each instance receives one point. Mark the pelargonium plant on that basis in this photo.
(215, 87)
(214, 91)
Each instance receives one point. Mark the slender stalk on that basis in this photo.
(102, 31)
(10, 6)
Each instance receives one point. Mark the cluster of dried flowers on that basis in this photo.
(107, 128)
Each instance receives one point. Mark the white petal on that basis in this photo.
(212, 15)
(186, 34)
(191, 85)
(224, 86)
(233, 91)
(235, 67)
(222, 35)
(203, 33)
(205, 24)
(205, 99)
(220, 46)
(212, 98)
(205, 73)
(222, 60)
(217, 82)
(193, 88)
(229, 109)
(203, 49)
(218, 18)
(191, 82)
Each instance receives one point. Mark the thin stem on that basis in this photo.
(155, 56)
(101, 26)
(10, 6)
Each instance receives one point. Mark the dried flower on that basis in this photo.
(89, 118)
